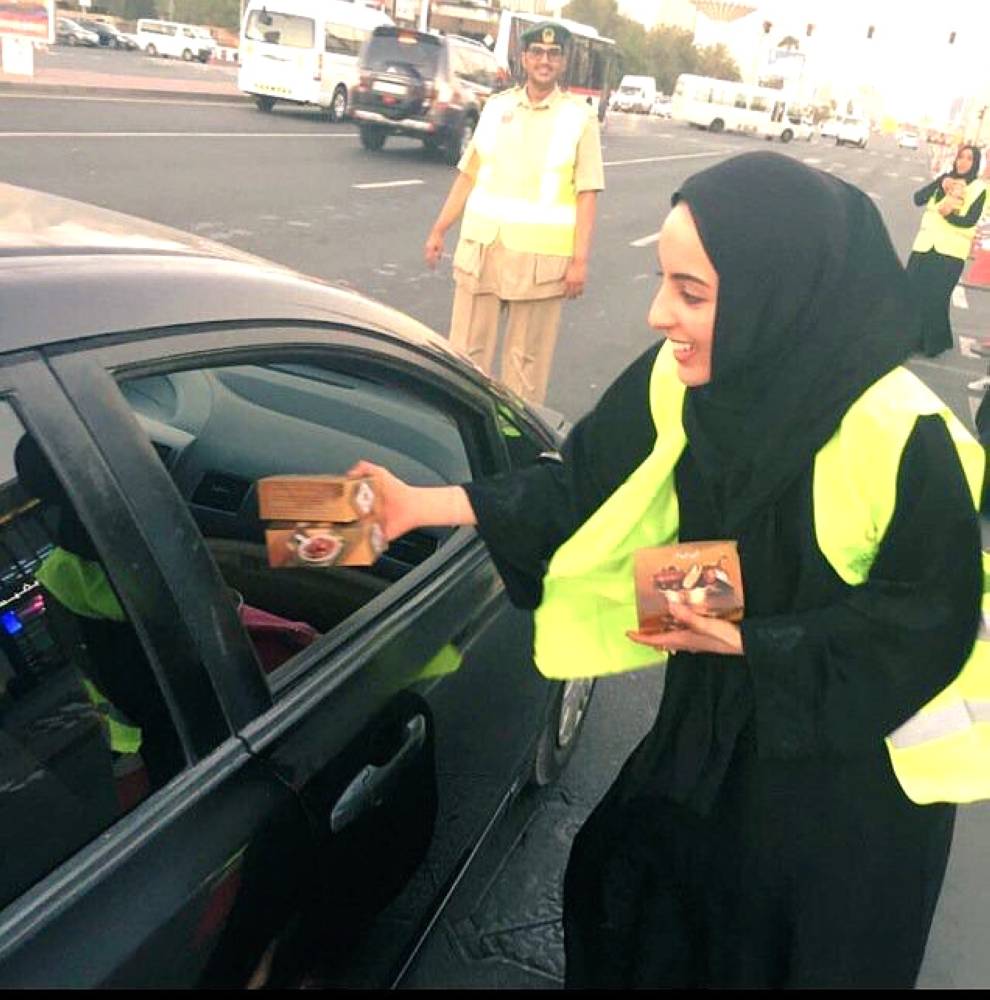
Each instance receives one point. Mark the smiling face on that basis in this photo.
(964, 161)
(543, 65)
(684, 307)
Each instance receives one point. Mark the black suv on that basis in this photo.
(428, 86)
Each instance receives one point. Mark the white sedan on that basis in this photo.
(908, 139)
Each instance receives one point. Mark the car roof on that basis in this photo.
(69, 270)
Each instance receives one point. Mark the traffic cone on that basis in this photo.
(978, 275)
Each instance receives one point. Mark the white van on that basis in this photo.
(181, 41)
(635, 93)
(304, 51)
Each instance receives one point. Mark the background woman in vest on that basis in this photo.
(757, 836)
(953, 202)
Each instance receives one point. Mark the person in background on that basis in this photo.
(954, 202)
(526, 186)
(787, 819)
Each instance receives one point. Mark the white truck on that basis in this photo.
(635, 93)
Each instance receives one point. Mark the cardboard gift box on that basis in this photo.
(318, 545)
(703, 576)
(317, 498)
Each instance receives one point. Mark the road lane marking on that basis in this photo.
(663, 159)
(959, 299)
(915, 177)
(812, 159)
(387, 184)
(177, 135)
(892, 174)
(645, 241)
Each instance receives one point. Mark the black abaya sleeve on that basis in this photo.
(525, 515)
(971, 218)
(922, 195)
(839, 678)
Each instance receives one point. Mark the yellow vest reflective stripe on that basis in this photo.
(935, 233)
(943, 752)
(541, 219)
(121, 735)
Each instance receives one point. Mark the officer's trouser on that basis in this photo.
(530, 338)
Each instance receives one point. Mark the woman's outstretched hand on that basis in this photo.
(398, 507)
(695, 634)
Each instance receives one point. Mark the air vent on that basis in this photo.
(219, 491)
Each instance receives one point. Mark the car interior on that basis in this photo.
(219, 430)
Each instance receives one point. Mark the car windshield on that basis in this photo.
(280, 29)
(403, 51)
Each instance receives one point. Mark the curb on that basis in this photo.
(65, 90)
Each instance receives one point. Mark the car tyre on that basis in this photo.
(566, 713)
(151, 51)
(337, 111)
(70, 40)
(187, 55)
(459, 141)
(373, 137)
(786, 135)
(716, 126)
(264, 103)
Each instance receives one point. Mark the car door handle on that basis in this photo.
(373, 782)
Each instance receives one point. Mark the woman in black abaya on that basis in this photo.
(935, 265)
(757, 837)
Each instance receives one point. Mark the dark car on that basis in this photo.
(213, 773)
(428, 86)
(109, 35)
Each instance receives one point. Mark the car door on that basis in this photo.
(123, 862)
(404, 728)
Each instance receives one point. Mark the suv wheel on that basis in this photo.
(338, 105)
(264, 103)
(460, 140)
(786, 135)
(717, 125)
(373, 137)
(151, 50)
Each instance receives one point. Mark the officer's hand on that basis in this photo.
(695, 634)
(398, 502)
(433, 248)
(574, 278)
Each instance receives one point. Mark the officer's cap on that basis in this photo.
(546, 33)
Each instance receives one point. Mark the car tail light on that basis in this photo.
(364, 81)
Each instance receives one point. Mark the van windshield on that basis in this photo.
(404, 51)
(280, 29)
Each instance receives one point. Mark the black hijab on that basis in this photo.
(974, 170)
(813, 308)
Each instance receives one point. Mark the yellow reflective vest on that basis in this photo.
(937, 234)
(941, 754)
(529, 211)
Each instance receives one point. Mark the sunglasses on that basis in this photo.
(552, 52)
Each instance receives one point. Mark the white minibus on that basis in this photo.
(738, 107)
(168, 38)
(304, 51)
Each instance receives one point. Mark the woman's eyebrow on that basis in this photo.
(690, 277)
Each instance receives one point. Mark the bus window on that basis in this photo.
(758, 104)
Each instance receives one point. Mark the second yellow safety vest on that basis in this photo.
(528, 212)
(937, 234)
(943, 752)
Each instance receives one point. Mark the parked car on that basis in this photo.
(662, 107)
(829, 128)
(69, 32)
(428, 86)
(215, 773)
(108, 34)
(852, 130)
(172, 39)
(908, 138)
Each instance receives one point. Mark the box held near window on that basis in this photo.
(705, 577)
(319, 545)
(317, 498)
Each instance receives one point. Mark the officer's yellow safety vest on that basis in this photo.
(937, 234)
(82, 586)
(943, 752)
(529, 212)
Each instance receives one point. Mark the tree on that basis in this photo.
(219, 13)
(717, 61)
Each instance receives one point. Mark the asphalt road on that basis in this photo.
(294, 188)
(123, 62)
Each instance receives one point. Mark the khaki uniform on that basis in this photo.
(493, 274)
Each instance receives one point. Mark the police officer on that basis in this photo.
(526, 187)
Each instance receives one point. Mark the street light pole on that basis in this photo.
(424, 15)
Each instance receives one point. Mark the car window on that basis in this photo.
(280, 29)
(219, 430)
(344, 39)
(84, 731)
(403, 50)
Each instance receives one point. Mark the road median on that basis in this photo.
(61, 84)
